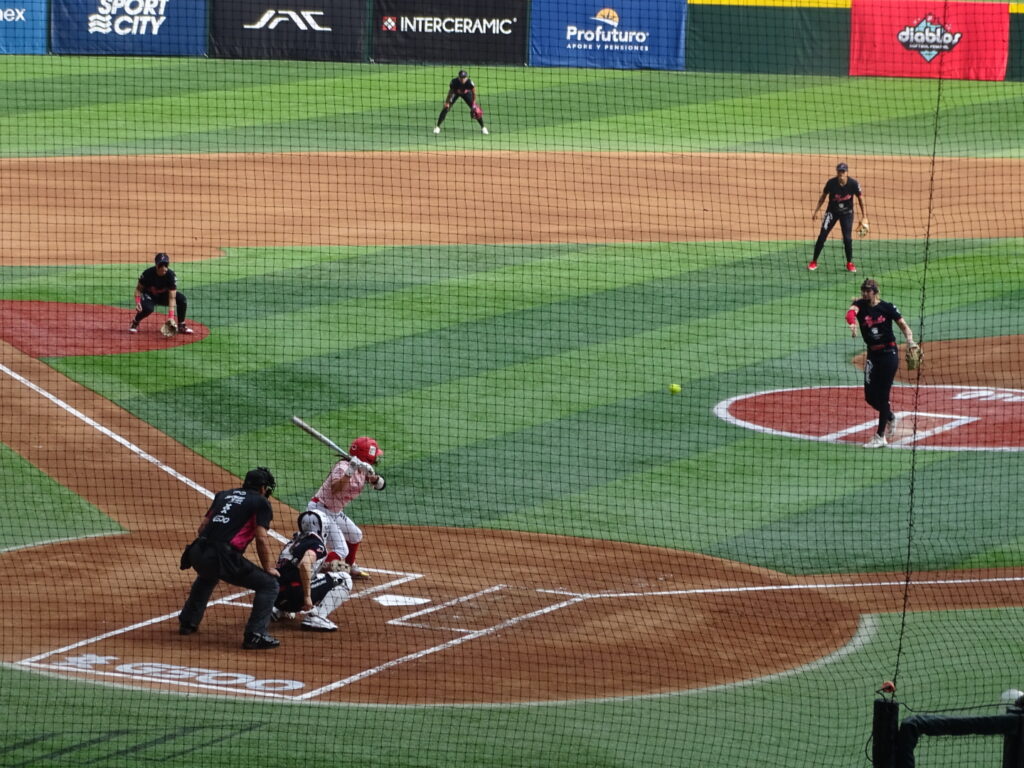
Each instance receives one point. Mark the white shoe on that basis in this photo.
(484, 131)
(437, 129)
(890, 429)
(877, 441)
(133, 328)
(314, 623)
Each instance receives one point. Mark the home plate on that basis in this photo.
(401, 600)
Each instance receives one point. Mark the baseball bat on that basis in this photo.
(332, 445)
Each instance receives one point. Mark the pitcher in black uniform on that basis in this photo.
(839, 191)
(461, 87)
(235, 518)
(874, 318)
(159, 286)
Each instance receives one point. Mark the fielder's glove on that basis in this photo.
(169, 328)
(914, 356)
(863, 229)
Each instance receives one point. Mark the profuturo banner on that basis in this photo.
(917, 38)
(631, 34)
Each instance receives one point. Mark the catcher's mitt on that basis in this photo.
(863, 229)
(914, 356)
(169, 328)
(336, 566)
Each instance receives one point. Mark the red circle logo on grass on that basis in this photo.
(935, 418)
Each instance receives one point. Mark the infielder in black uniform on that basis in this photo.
(158, 285)
(874, 318)
(303, 586)
(839, 191)
(461, 87)
(235, 518)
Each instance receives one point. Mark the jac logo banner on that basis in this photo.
(23, 27)
(631, 34)
(320, 30)
(915, 38)
(133, 27)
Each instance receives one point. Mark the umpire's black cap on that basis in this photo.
(161, 258)
(259, 478)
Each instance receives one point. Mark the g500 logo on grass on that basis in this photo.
(128, 17)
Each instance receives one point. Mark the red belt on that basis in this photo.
(876, 347)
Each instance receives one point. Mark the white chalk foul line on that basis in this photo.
(438, 648)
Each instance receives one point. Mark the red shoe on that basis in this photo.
(812, 266)
(850, 267)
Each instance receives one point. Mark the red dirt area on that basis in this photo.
(994, 361)
(51, 329)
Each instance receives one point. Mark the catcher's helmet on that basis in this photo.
(161, 258)
(366, 449)
(258, 478)
(314, 521)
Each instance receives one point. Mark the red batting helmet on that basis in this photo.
(366, 449)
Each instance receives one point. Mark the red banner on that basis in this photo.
(918, 38)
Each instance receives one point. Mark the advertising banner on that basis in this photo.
(23, 26)
(918, 38)
(131, 27)
(450, 31)
(316, 30)
(631, 34)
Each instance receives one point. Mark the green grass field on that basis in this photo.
(548, 363)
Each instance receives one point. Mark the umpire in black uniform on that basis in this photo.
(839, 191)
(158, 286)
(874, 318)
(235, 518)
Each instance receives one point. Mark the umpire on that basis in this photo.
(234, 519)
(158, 285)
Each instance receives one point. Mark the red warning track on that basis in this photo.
(950, 417)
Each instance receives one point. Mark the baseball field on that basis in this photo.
(572, 565)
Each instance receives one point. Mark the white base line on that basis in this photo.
(117, 438)
(437, 648)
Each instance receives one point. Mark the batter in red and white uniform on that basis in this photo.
(346, 481)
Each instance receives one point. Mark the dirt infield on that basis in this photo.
(453, 616)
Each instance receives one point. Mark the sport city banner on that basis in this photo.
(316, 30)
(133, 27)
(631, 34)
(450, 31)
(917, 38)
(23, 27)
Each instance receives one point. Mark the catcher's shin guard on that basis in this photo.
(337, 595)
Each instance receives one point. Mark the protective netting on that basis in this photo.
(629, 518)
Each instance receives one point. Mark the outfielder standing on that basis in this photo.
(303, 586)
(345, 481)
(235, 518)
(461, 87)
(874, 318)
(839, 191)
(157, 285)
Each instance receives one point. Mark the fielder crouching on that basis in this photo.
(303, 586)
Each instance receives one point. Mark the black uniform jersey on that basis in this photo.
(876, 322)
(460, 88)
(234, 515)
(155, 285)
(295, 550)
(840, 196)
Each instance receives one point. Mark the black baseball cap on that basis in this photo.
(463, 73)
(842, 167)
(161, 258)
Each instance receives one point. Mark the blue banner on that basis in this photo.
(133, 27)
(23, 26)
(631, 34)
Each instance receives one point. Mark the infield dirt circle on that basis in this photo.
(452, 615)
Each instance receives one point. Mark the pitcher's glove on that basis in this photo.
(914, 356)
(863, 229)
(169, 328)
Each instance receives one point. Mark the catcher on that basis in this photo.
(309, 582)
(461, 87)
(840, 191)
(874, 318)
(158, 285)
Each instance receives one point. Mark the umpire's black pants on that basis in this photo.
(215, 561)
(149, 303)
